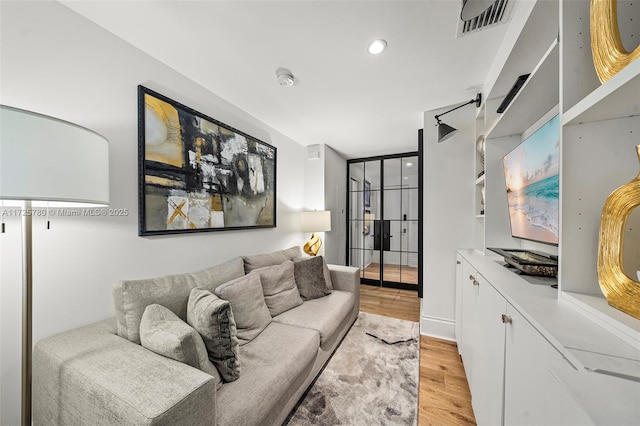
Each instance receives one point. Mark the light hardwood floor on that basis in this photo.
(444, 398)
(395, 273)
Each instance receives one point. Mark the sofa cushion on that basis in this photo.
(162, 332)
(279, 287)
(323, 315)
(213, 319)
(325, 270)
(133, 296)
(274, 366)
(309, 276)
(247, 303)
(269, 259)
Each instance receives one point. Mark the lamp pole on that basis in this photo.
(27, 284)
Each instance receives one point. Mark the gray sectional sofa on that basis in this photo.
(101, 375)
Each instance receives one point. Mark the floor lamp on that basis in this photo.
(43, 159)
(316, 221)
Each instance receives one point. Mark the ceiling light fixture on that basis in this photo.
(285, 77)
(444, 130)
(376, 47)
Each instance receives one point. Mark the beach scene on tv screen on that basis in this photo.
(532, 180)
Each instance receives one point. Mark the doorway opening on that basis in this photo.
(384, 214)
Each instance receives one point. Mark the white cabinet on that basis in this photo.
(467, 298)
(488, 354)
(523, 353)
(527, 379)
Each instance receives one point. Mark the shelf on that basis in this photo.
(618, 97)
(624, 326)
(480, 180)
(534, 25)
(538, 95)
(479, 216)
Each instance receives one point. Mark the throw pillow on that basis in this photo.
(247, 303)
(310, 278)
(164, 333)
(269, 259)
(213, 319)
(325, 270)
(279, 287)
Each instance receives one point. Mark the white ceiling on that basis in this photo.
(361, 105)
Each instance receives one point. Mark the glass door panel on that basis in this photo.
(383, 220)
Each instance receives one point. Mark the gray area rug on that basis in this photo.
(372, 378)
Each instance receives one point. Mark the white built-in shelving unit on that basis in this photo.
(600, 127)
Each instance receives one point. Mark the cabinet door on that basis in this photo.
(459, 278)
(467, 317)
(488, 355)
(528, 380)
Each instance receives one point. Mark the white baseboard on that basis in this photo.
(438, 327)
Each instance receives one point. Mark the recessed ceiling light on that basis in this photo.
(376, 47)
(406, 177)
(409, 164)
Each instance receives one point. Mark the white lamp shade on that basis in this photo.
(46, 159)
(316, 221)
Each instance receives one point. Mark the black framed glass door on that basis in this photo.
(383, 220)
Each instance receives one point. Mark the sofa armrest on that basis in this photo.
(91, 376)
(346, 278)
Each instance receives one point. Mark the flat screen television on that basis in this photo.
(531, 172)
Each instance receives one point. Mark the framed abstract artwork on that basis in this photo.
(197, 174)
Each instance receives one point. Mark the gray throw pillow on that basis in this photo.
(213, 319)
(269, 259)
(162, 332)
(310, 278)
(247, 303)
(325, 270)
(279, 287)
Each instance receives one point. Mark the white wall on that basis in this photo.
(325, 176)
(60, 64)
(448, 216)
(335, 199)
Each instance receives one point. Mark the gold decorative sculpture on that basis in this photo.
(621, 291)
(313, 245)
(609, 55)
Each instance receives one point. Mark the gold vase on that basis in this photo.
(621, 291)
(609, 55)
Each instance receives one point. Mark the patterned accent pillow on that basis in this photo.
(325, 270)
(309, 275)
(247, 303)
(163, 332)
(213, 319)
(279, 287)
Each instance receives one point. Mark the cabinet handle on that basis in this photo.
(457, 262)
(506, 319)
(471, 278)
(475, 282)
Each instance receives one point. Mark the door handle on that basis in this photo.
(506, 319)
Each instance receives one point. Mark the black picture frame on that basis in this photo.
(197, 174)
(367, 193)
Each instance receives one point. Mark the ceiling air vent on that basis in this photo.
(476, 15)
